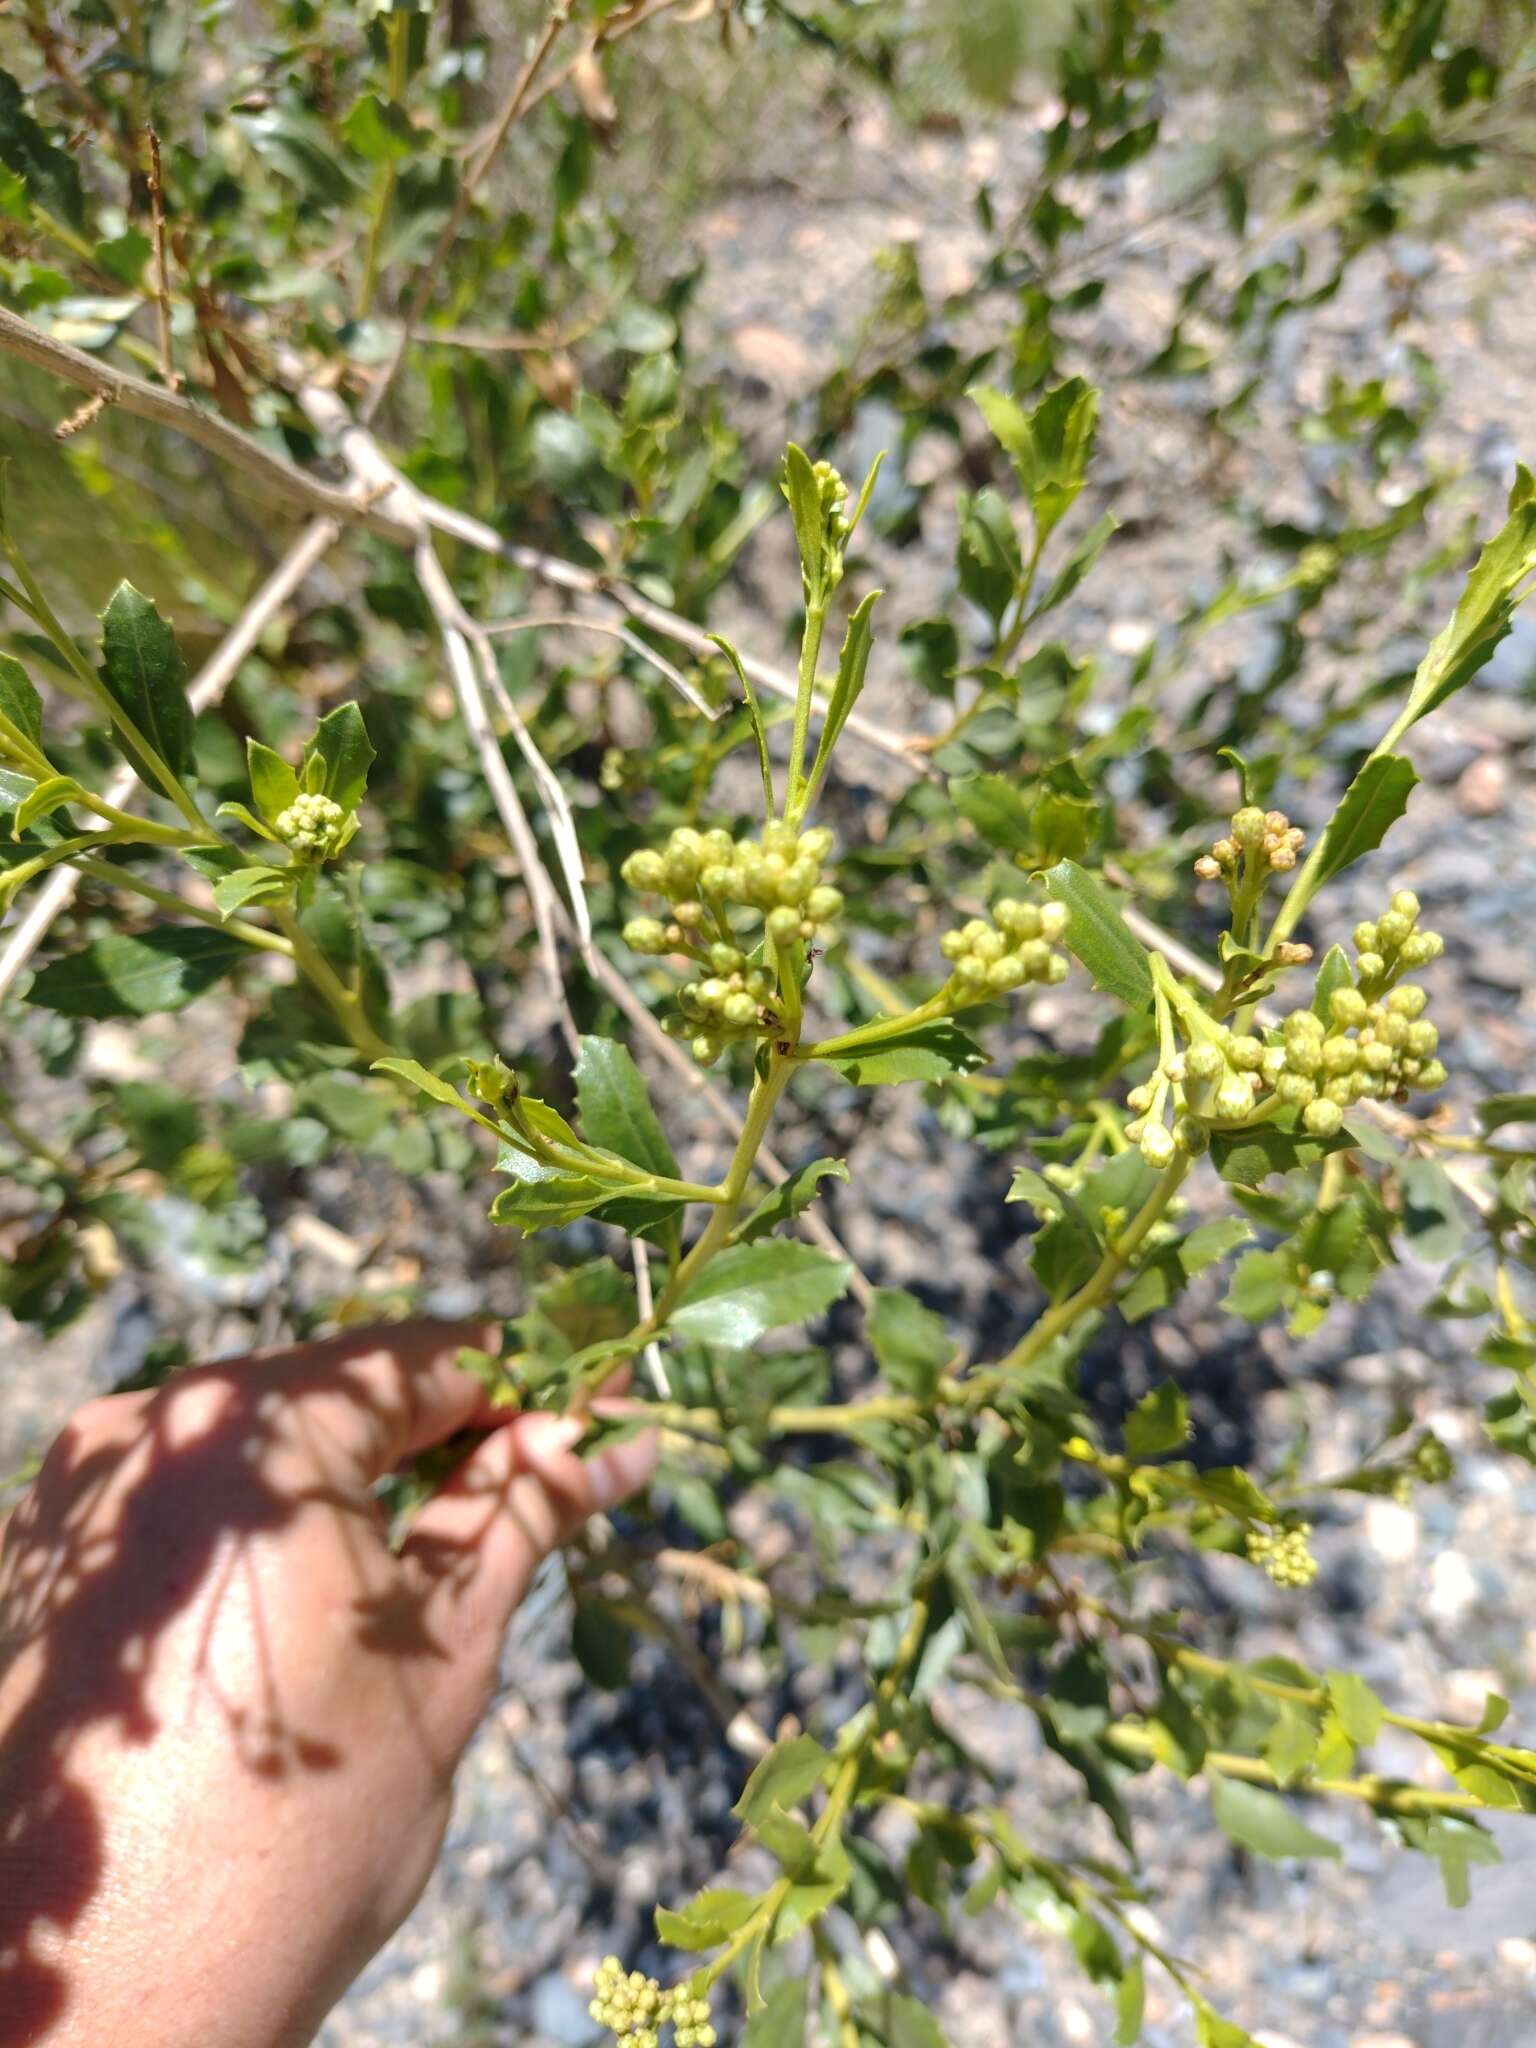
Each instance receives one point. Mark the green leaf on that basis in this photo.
(418, 1076)
(751, 1288)
(49, 173)
(782, 1778)
(912, 1347)
(1374, 801)
(1483, 613)
(1498, 1110)
(615, 1108)
(892, 2019)
(1263, 1822)
(1158, 1423)
(1264, 1283)
(998, 808)
(804, 495)
(379, 130)
(1130, 2004)
(145, 676)
(705, 1922)
(602, 1643)
(543, 1196)
(249, 819)
(1077, 565)
(852, 666)
(1358, 1708)
(337, 759)
(927, 1052)
(755, 713)
(1334, 973)
(790, 1198)
(781, 2022)
(244, 886)
(1290, 1747)
(1097, 934)
(988, 560)
(1049, 448)
(274, 785)
(1249, 1157)
(43, 799)
(122, 976)
(1168, 1271)
(21, 715)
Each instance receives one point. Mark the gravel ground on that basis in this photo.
(578, 1810)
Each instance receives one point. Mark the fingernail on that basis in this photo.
(622, 1469)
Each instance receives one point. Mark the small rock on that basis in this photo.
(1381, 2041)
(560, 2013)
(1452, 1587)
(773, 355)
(1517, 1954)
(1392, 1531)
(1483, 787)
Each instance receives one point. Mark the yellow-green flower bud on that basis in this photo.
(1203, 1062)
(739, 1009)
(705, 1048)
(1406, 904)
(1248, 826)
(1372, 966)
(1391, 931)
(646, 935)
(1053, 921)
(1057, 969)
(1423, 1038)
(645, 870)
(783, 925)
(1323, 1118)
(953, 945)
(823, 904)
(1006, 973)
(1347, 1006)
(1246, 1054)
(1018, 920)
(1234, 1098)
(1419, 948)
(1432, 1075)
(1408, 1000)
(1295, 1089)
(816, 844)
(1365, 937)
(717, 879)
(1037, 957)
(1157, 1146)
(1191, 1136)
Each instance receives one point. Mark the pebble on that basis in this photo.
(1453, 1587)
(1391, 1530)
(1483, 788)
(560, 2013)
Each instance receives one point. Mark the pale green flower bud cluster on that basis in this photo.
(708, 879)
(312, 828)
(1394, 945)
(1260, 843)
(1014, 948)
(834, 498)
(636, 2008)
(1285, 1554)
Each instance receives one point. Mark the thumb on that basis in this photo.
(523, 1492)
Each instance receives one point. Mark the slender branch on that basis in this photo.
(209, 684)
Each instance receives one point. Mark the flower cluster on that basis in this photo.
(312, 828)
(707, 879)
(636, 2008)
(991, 958)
(1394, 945)
(1285, 1553)
(1261, 843)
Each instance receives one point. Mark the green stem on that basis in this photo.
(124, 878)
(874, 1032)
(1099, 1285)
(766, 1091)
(147, 761)
(810, 653)
(1385, 1795)
(34, 1147)
(344, 1003)
(396, 28)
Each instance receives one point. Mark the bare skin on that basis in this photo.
(230, 1714)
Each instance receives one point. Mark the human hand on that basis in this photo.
(229, 1713)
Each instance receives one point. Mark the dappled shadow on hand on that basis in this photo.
(147, 1506)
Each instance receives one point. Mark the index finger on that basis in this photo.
(383, 1394)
